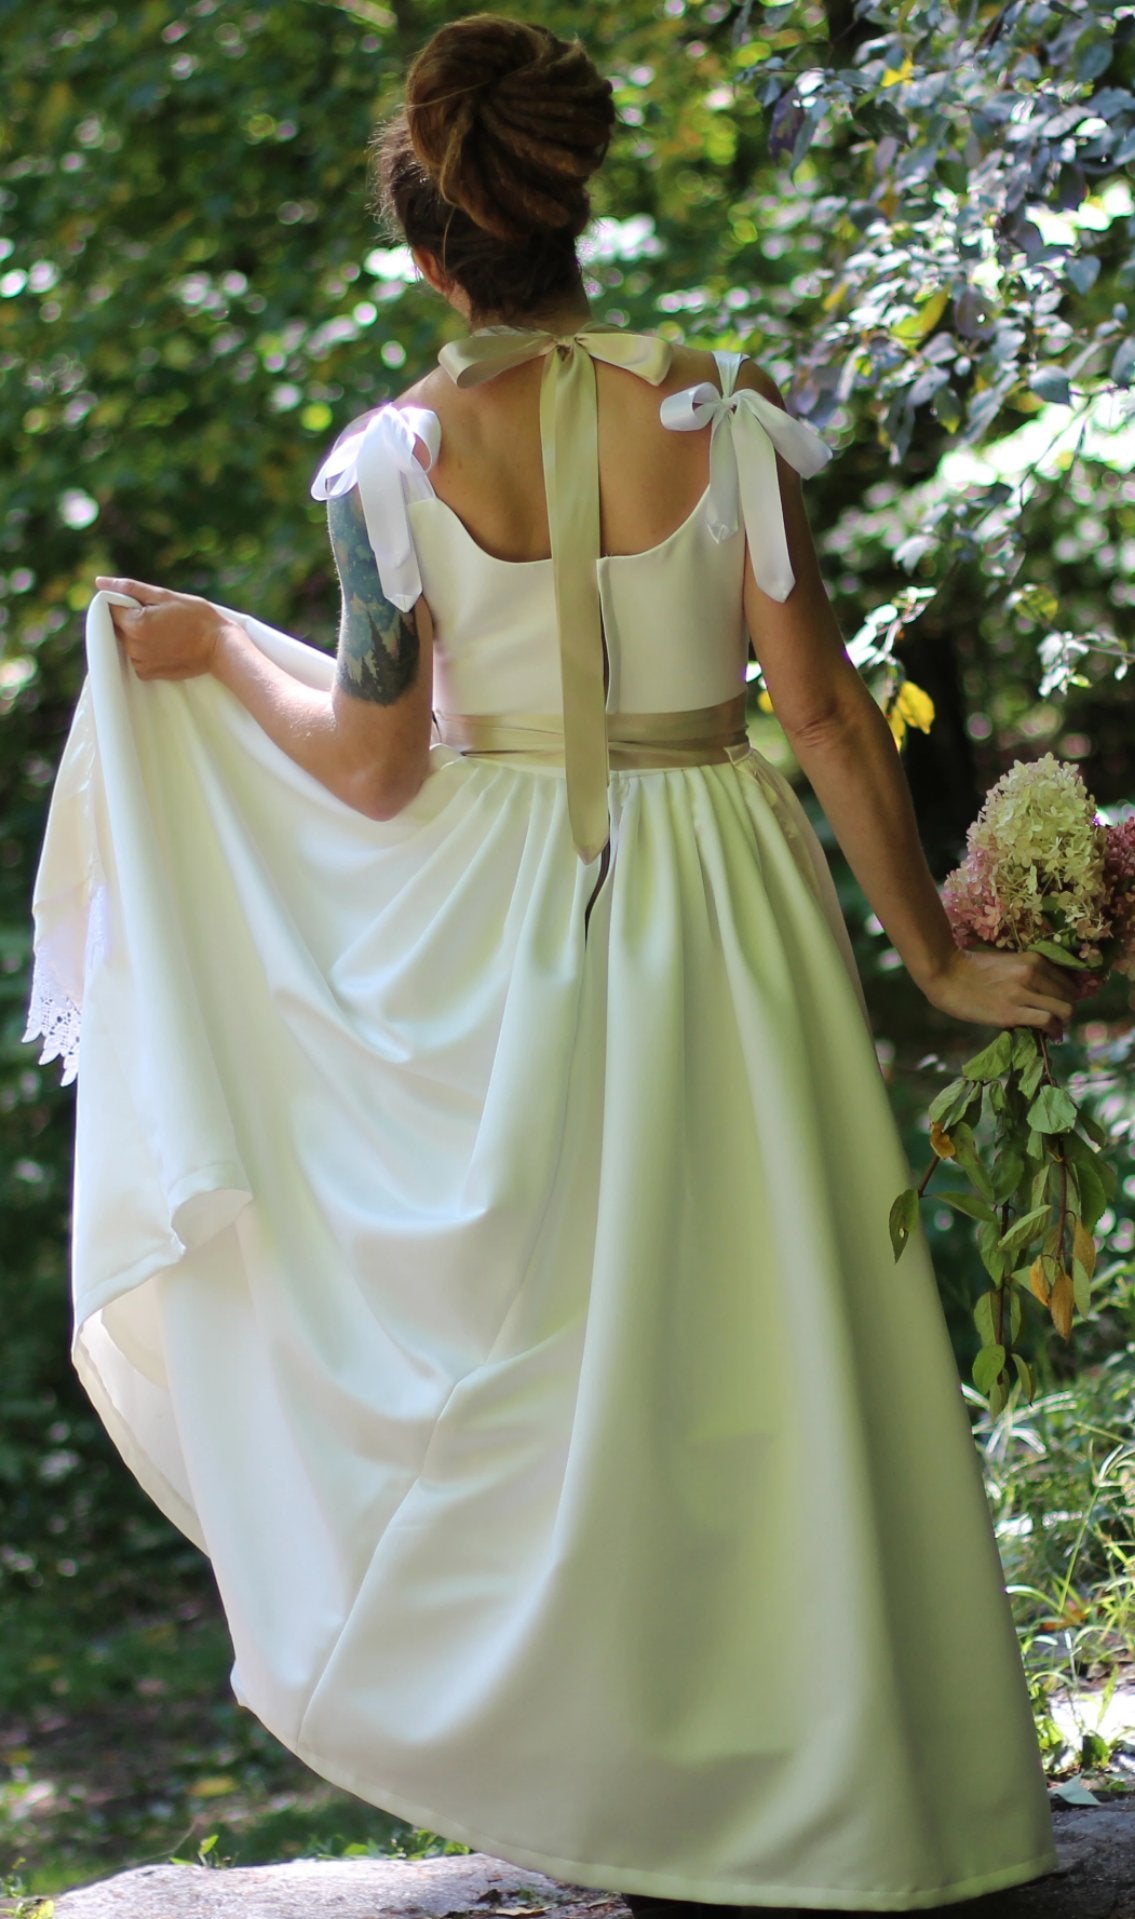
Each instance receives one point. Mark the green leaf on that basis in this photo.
(992, 1258)
(1038, 602)
(1052, 1111)
(993, 1060)
(1093, 1128)
(1093, 1195)
(969, 1203)
(983, 1318)
(915, 326)
(1081, 1287)
(1051, 383)
(1023, 1230)
(1026, 1047)
(1059, 954)
(1096, 1178)
(1093, 55)
(1073, 1792)
(953, 1102)
(1031, 1075)
(947, 407)
(997, 1397)
(902, 1220)
(996, 1313)
(1122, 366)
(988, 1366)
(1079, 1151)
(1025, 1375)
(1083, 269)
(969, 1162)
(968, 1158)
(1008, 1172)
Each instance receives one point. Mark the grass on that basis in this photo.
(1060, 1475)
(124, 1747)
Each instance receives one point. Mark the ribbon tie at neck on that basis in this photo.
(569, 442)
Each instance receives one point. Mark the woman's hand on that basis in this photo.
(995, 988)
(171, 636)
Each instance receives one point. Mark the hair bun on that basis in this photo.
(509, 122)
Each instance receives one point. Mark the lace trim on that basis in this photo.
(54, 1014)
(53, 1017)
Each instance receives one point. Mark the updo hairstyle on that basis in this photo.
(486, 164)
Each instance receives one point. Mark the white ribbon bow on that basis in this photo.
(381, 458)
(746, 433)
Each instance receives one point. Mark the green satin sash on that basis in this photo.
(569, 441)
(699, 736)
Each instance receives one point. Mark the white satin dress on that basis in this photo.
(499, 1291)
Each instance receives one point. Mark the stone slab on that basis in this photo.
(334, 1889)
(1096, 1880)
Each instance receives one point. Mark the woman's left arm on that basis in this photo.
(368, 739)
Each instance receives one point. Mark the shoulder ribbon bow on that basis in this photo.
(746, 433)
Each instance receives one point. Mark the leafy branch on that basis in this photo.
(1036, 1185)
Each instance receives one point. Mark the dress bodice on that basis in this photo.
(672, 618)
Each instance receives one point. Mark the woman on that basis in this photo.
(481, 1238)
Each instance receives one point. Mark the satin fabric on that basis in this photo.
(635, 741)
(511, 1314)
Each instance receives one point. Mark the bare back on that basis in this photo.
(490, 468)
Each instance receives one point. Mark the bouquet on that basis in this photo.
(1042, 873)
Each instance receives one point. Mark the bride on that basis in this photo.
(481, 1238)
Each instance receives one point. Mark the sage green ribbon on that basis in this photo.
(636, 742)
(569, 442)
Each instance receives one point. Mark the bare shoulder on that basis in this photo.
(754, 377)
(425, 391)
(689, 366)
(422, 394)
(692, 365)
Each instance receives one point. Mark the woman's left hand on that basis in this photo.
(170, 636)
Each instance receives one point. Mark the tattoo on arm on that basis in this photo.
(378, 643)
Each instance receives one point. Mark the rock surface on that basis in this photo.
(1096, 1880)
(336, 1889)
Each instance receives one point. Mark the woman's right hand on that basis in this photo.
(996, 988)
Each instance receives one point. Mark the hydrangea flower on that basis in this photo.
(1119, 874)
(1039, 865)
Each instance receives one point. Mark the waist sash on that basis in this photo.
(698, 736)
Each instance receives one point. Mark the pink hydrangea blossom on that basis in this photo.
(1119, 875)
(1040, 865)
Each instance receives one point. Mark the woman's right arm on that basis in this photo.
(367, 739)
(846, 750)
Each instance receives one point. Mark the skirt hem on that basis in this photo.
(669, 1885)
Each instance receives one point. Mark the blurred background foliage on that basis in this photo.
(919, 217)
